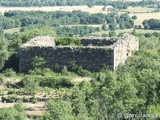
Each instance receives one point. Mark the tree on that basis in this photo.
(3, 52)
(59, 109)
(31, 86)
(104, 8)
(90, 5)
(112, 34)
(38, 62)
(11, 114)
(151, 24)
(134, 17)
(104, 27)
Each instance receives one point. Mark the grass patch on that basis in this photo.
(12, 30)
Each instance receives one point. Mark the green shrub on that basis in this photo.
(112, 34)
(83, 72)
(11, 114)
(67, 41)
(43, 72)
(11, 91)
(1, 80)
(31, 85)
(56, 82)
(64, 71)
(1, 93)
(73, 65)
(9, 73)
(34, 100)
(38, 62)
(19, 106)
(12, 98)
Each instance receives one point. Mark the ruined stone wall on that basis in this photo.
(98, 41)
(93, 59)
(124, 48)
(95, 54)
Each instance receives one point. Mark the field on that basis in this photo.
(127, 30)
(95, 9)
(143, 16)
(139, 9)
(142, 13)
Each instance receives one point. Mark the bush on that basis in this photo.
(38, 62)
(31, 83)
(134, 17)
(105, 35)
(112, 34)
(104, 27)
(67, 41)
(34, 100)
(1, 80)
(9, 73)
(1, 93)
(10, 99)
(43, 72)
(67, 73)
(83, 72)
(11, 114)
(56, 82)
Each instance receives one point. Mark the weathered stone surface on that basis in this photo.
(94, 55)
(41, 41)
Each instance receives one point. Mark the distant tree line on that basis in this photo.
(60, 21)
(67, 31)
(90, 3)
(24, 18)
(151, 24)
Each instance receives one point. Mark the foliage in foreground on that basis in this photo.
(13, 113)
(133, 88)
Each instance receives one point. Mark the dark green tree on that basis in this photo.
(3, 52)
(112, 34)
(104, 27)
(58, 109)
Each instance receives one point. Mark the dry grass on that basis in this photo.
(139, 9)
(81, 79)
(37, 108)
(144, 16)
(127, 30)
(27, 105)
(35, 113)
(95, 9)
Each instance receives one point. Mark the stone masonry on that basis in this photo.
(94, 54)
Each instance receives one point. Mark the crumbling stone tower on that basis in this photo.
(93, 55)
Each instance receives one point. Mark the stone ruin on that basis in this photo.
(94, 54)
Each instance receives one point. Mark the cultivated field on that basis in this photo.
(95, 9)
(144, 16)
(139, 9)
(127, 30)
(142, 13)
